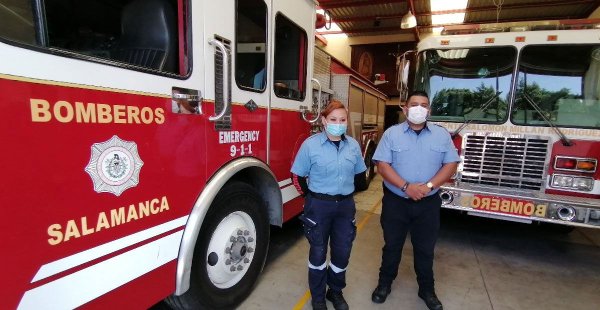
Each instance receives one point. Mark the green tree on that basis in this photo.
(546, 100)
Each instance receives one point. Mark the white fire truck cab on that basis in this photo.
(523, 107)
(147, 147)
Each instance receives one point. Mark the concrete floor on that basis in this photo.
(480, 264)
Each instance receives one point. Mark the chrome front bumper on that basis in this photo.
(522, 206)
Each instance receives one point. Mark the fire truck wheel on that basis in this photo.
(230, 252)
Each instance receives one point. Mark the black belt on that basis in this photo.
(330, 197)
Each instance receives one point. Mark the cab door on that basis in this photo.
(262, 84)
(237, 61)
(291, 66)
(102, 166)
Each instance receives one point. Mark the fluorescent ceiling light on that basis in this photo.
(455, 18)
(445, 5)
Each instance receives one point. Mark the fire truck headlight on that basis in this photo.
(572, 182)
(562, 181)
(583, 184)
(595, 214)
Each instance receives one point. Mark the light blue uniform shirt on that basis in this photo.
(329, 170)
(416, 158)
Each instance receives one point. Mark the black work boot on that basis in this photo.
(431, 300)
(319, 305)
(380, 293)
(337, 299)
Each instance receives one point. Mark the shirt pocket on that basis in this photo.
(400, 156)
(321, 164)
(349, 162)
(437, 153)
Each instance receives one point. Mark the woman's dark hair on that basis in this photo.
(333, 105)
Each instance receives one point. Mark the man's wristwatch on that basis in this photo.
(405, 187)
(430, 186)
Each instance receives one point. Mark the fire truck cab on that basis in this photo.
(523, 107)
(148, 145)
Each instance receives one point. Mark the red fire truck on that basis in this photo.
(147, 147)
(522, 104)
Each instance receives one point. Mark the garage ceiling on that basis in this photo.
(382, 17)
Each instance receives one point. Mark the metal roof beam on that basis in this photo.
(365, 18)
(344, 4)
(397, 30)
(510, 7)
(517, 20)
(468, 10)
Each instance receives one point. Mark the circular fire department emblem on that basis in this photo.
(114, 166)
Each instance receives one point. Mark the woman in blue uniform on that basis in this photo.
(327, 170)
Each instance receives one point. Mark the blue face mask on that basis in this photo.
(336, 130)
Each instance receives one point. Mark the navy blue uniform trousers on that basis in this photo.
(421, 218)
(333, 223)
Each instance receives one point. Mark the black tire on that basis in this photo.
(213, 285)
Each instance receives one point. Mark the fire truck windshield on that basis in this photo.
(564, 82)
(461, 83)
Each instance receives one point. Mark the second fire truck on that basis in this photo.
(523, 107)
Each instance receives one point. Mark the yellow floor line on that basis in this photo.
(369, 214)
(300, 304)
(302, 301)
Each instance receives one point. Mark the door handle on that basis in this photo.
(220, 46)
(318, 109)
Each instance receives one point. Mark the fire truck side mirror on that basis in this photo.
(402, 69)
(402, 78)
(186, 101)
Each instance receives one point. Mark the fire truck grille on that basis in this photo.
(504, 161)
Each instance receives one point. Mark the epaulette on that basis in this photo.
(446, 129)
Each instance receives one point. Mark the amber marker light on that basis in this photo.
(576, 164)
(586, 165)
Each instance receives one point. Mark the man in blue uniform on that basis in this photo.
(333, 164)
(414, 158)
